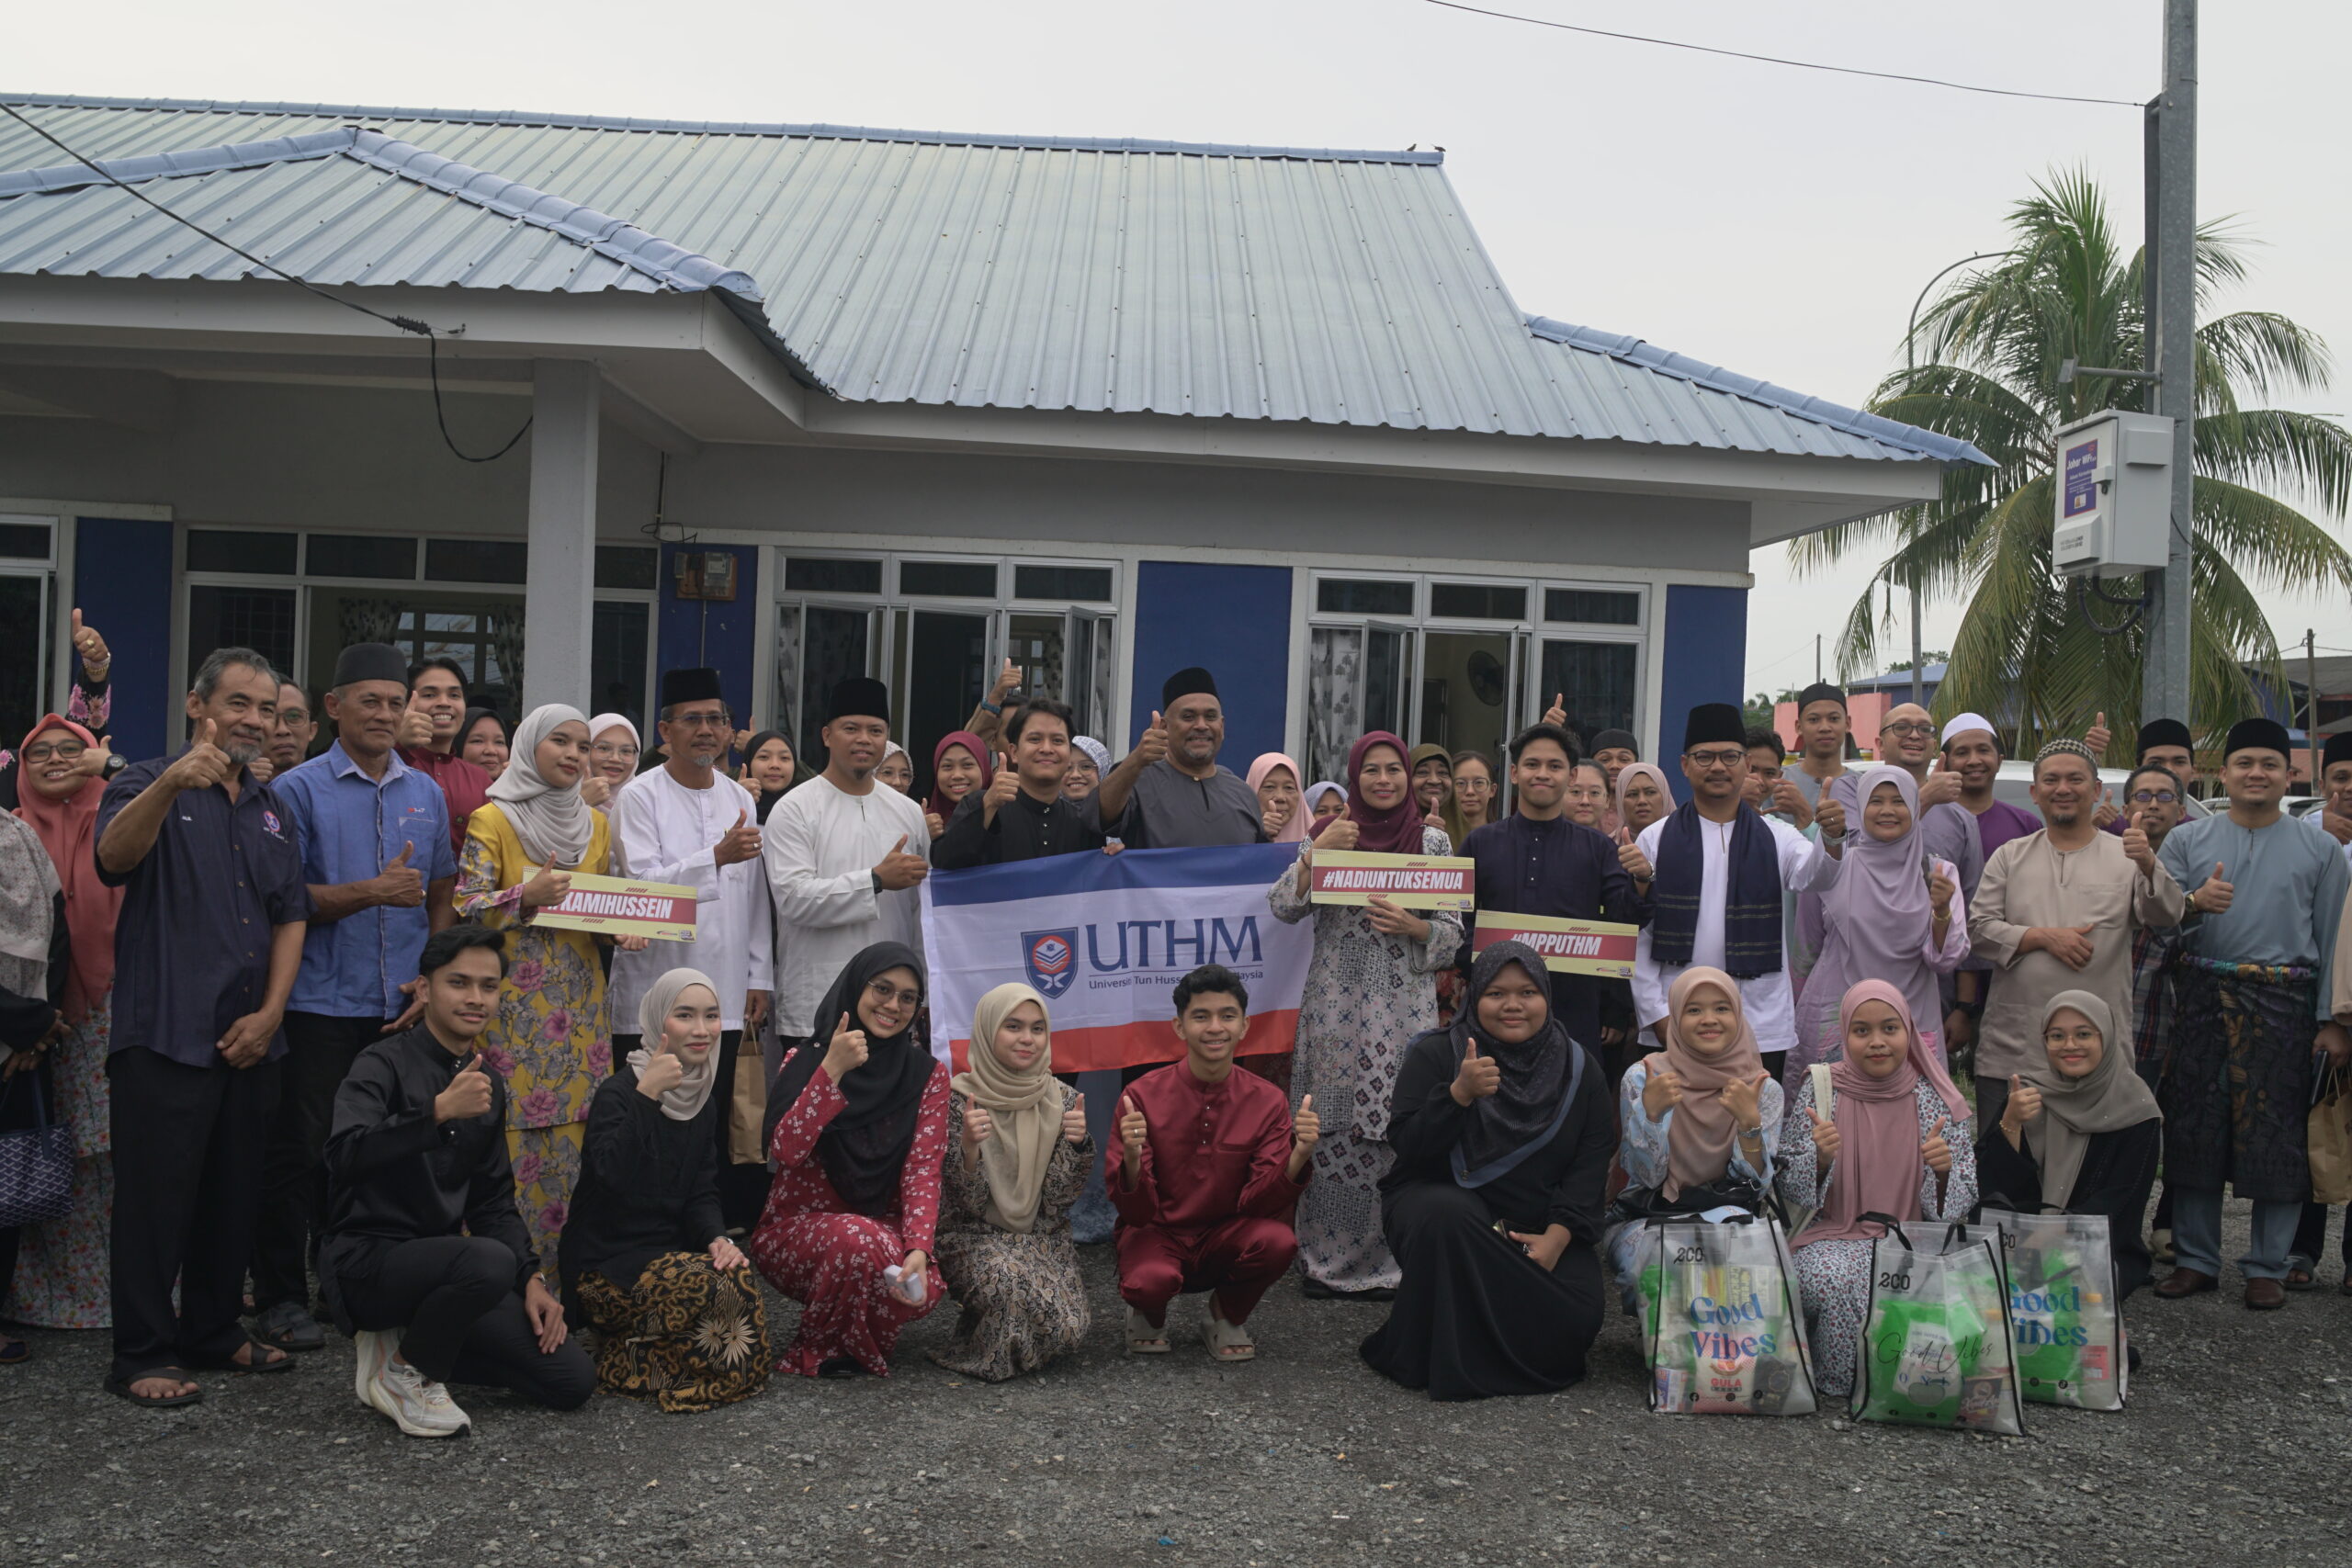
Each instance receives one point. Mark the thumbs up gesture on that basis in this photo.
(1008, 680)
(1661, 1094)
(91, 649)
(898, 871)
(1153, 745)
(1825, 1142)
(979, 1126)
(1001, 788)
(1936, 1154)
(1131, 1129)
(467, 1095)
(1477, 1077)
(1941, 889)
(400, 884)
(2099, 737)
(1306, 1127)
(1830, 815)
(1074, 1120)
(664, 1073)
(846, 1052)
(741, 843)
(203, 764)
(1942, 786)
(1629, 856)
(1558, 712)
(2136, 848)
(2024, 1105)
(2213, 897)
(415, 729)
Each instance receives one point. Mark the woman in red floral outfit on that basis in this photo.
(857, 1126)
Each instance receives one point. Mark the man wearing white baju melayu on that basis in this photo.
(844, 857)
(1715, 761)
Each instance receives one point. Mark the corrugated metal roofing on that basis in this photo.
(1332, 287)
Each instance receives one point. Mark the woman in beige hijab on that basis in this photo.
(1017, 1158)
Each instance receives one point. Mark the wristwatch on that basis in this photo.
(116, 761)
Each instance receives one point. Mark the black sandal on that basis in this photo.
(257, 1363)
(121, 1387)
(14, 1352)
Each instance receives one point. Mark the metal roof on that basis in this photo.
(1329, 286)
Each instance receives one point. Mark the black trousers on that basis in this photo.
(319, 1052)
(187, 1159)
(2311, 1239)
(452, 1297)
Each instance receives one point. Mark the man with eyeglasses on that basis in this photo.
(686, 822)
(2058, 911)
(2156, 798)
(289, 743)
(2256, 1009)
(437, 707)
(1717, 875)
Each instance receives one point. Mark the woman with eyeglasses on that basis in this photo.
(613, 749)
(1476, 794)
(857, 1126)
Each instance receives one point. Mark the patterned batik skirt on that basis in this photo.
(2238, 1084)
(689, 1335)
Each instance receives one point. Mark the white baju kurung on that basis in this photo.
(667, 833)
(1805, 867)
(820, 847)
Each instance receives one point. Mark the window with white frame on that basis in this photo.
(28, 620)
(300, 598)
(936, 628)
(1464, 661)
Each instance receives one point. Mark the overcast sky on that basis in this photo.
(1773, 220)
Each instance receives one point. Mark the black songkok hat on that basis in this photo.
(1616, 740)
(2340, 749)
(370, 661)
(1194, 683)
(2165, 732)
(860, 696)
(2263, 734)
(690, 686)
(1712, 722)
(1820, 692)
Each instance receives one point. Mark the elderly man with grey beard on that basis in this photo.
(206, 951)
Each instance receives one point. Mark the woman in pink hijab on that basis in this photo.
(1275, 780)
(1894, 1141)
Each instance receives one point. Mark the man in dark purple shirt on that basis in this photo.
(206, 951)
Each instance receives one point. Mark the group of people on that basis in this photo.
(314, 1024)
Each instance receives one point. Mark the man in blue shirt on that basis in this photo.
(205, 951)
(375, 840)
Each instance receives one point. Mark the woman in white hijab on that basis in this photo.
(1017, 1158)
(614, 746)
(645, 1258)
(550, 1038)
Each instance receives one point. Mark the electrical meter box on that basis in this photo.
(2114, 500)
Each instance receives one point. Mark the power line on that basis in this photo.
(403, 324)
(1776, 60)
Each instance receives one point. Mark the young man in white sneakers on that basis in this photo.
(425, 1260)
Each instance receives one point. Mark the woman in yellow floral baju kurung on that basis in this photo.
(551, 1038)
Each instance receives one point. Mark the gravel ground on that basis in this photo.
(2235, 1449)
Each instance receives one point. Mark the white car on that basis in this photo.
(2014, 783)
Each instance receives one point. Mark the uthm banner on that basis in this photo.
(1105, 938)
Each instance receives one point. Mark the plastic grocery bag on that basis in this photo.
(1936, 1347)
(2066, 1315)
(1722, 1321)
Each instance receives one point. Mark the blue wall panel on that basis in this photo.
(695, 632)
(1234, 622)
(1706, 661)
(122, 582)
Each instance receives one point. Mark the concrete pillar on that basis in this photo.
(559, 608)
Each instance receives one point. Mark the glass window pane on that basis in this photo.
(1478, 600)
(626, 566)
(474, 560)
(240, 550)
(23, 654)
(25, 541)
(819, 574)
(1593, 606)
(948, 579)
(1035, 648)
(1062, 583)
(360, 555)
(1343, 595)
(948, 663)
(616, 659)
(1595, 680)
(834, 649)
(259, 618)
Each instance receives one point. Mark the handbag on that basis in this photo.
(36, 1165)
(2328, 1140)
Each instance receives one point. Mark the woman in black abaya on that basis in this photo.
(1503, 1133)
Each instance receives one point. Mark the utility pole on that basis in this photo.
(2169, 269)
(1817, 659)
(2311, 700)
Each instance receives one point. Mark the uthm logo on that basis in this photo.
(1051, 958)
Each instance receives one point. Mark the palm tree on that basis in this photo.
(2041, 654)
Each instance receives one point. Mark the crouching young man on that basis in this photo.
(425, 1260)
(1204, 1173)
